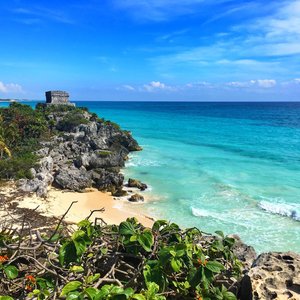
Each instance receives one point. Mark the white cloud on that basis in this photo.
(128, 87)
(157, 85)
(297, 80)
(10, 88)
(163, 10)
(261, 83)
(266, 83)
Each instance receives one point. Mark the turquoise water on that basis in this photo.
(228, 166)
(232, 166)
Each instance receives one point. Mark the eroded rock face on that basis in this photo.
(89, 155)
(73, 179)
(245, 253)
(274, 276)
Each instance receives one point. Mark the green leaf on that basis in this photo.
(90, 279)
(176, 264)
(80, 246)
(138, 297)
(228, 241)
(91, 292)
(146, 240)
(126, 228)
(84, 224)
(220, 233)
(156, 275)
(55, 238)
(77, 269)
(214, 266)
(129, 292)
(133, 238)
(228, 296)
(6, 298)
(11, 272)
(70, 287)
(73, 296)
(158, 224)
(195, 277)
(104, 250)
(67, 253)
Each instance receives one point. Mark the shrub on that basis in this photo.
(127, 261)
(70, 121)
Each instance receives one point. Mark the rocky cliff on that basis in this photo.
(84, 152)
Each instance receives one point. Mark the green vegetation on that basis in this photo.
(22, 128)
(114, 262)
(71, 120)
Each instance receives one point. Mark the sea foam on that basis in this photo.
(282, 209)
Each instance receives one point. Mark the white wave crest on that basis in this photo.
(137, 162)
(200, 212)
(282, 209)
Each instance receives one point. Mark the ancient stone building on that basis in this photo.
(57, 97)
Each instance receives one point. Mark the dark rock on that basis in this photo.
(106, 180)
(73, 179)
(246, 254)
(137, 184)
(119, 193)
(126, 140)
(136, 198)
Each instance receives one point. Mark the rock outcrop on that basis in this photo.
(274, 276)
(87, 155)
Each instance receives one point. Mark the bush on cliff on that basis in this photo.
(71, 120)
(127, 261)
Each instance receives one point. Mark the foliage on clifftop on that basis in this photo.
(127, 261)
(22, 128)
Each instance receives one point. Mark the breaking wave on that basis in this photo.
(282, 209)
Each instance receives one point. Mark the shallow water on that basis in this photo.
(228, 166)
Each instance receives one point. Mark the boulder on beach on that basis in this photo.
(137, 184)
(136, 198)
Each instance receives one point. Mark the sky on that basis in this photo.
(151, 50)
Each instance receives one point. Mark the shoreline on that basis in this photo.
(58, 202)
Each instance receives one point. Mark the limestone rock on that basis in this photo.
(136, 183)
(73, 179)
(275, 276)
(84, 156)
(106, 180)
(136, 198)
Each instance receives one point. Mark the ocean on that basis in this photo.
(233, 167)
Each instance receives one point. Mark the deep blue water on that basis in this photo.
(228, 166)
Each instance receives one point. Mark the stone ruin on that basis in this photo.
(57, 97)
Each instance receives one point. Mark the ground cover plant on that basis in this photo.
(126, 261)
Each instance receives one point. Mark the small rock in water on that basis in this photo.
(136, 198)
(119, 193)
(136, 183)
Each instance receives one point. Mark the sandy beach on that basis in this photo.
(58, 201)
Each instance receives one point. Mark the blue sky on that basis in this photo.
(196, 50)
